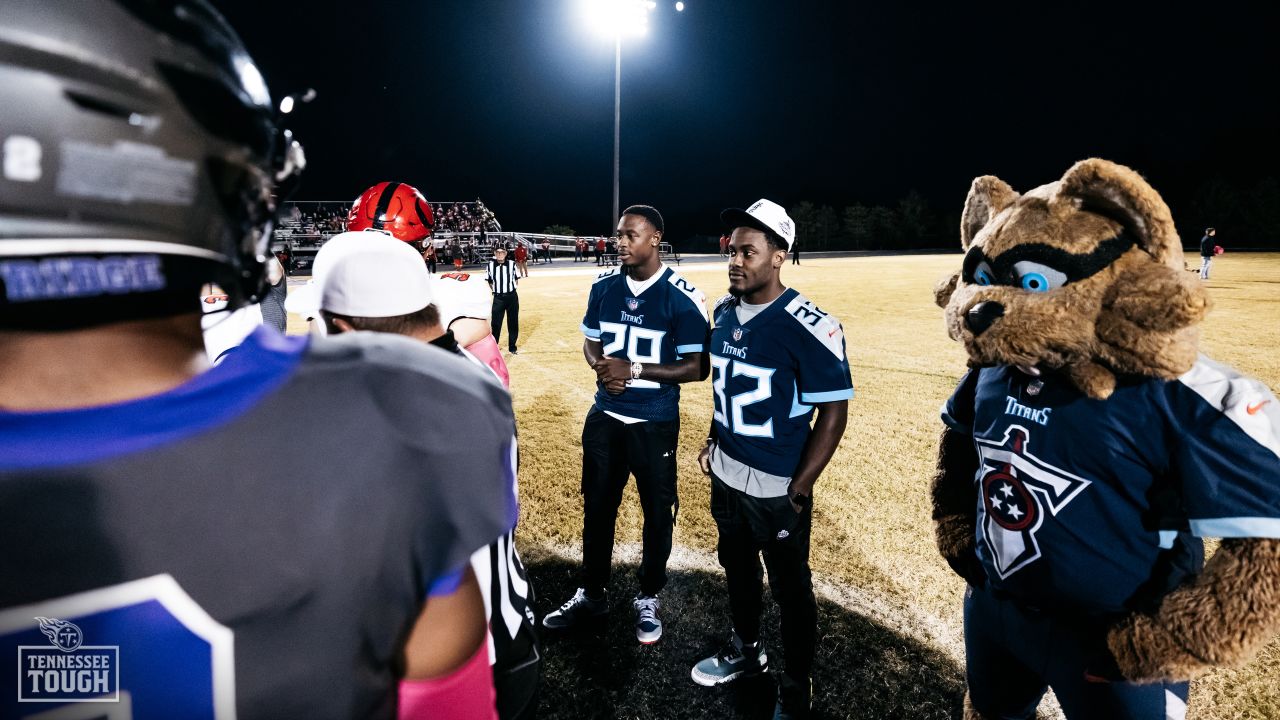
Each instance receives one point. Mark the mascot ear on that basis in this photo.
(988, 195)
(1116, 192)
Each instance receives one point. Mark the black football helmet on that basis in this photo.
(141, 159)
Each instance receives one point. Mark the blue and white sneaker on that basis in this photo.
(648, 624)
(736, 659)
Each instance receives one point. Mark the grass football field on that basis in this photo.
(890, 637)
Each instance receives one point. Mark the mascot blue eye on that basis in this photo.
(1036, 277)
(983, 277)
(1035, 282)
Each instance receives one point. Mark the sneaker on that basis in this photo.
(577, 609)
(648, 624)
(795, 698)
(736, 659)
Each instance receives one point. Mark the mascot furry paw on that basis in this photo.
(1087, 451)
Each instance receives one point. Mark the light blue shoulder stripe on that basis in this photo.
(1237, 527)
(589, 332)
(822, 397)
(682, 349)
(1167, 538)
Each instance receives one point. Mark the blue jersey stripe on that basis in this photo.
(593, 334)
(261, 365)
(683, 349)
(446, 584)
(1237, 527)
(822, 397)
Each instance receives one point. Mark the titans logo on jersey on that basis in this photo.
(1101, 505)
(768, 373)
(664, 321)
(1017, 490)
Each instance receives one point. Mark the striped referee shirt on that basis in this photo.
(501, 276)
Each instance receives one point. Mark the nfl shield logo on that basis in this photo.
(633, 304)
(737, 334)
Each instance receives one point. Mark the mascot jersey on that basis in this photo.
(665, 320)
(766, 375)
(232, 571)
(1098, 505)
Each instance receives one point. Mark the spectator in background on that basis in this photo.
(546, 250)
(273, 313)
(724, 245)
(579, 249)
(599, 251)
(1207, 244)
(522, 259)
(429, 255)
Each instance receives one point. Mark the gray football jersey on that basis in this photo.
(256, 543)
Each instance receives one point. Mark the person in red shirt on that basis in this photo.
(599, 251)
(522, 258)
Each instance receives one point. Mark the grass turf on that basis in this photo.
(889, 622)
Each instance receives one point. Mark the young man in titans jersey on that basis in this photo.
(646, 332)
(152, 551)
(775, 357)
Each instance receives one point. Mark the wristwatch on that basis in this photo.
(636, 369)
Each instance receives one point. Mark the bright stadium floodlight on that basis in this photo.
(615, 18)
(679, 7)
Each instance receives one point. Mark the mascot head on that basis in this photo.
(1082, 276)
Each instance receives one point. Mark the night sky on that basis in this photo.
(832, 102)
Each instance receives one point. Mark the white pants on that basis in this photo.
(1205, 262)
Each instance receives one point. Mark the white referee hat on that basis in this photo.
(764, 215)
(364, 274)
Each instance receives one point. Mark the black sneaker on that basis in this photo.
(795, 698)
(736, 659)
(577, 609)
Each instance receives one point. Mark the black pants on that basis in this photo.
(751, 526)
(507, 304)
(612, 450)
(431, 264)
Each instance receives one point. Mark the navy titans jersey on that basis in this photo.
(666, 321)
(1099, 505)
(768, 373)
(256, 543)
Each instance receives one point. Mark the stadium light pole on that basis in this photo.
(616, 17)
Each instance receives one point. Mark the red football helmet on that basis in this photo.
(396, 208)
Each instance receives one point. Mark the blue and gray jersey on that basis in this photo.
(257, 542)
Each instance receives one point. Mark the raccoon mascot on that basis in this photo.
(1088, 450)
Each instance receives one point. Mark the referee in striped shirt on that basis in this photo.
(501, 277)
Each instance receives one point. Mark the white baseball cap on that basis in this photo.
(364, 274)
(763, 215)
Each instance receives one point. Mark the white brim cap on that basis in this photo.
(764, 215)
(364, 274)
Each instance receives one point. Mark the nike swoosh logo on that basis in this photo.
(1253, 409)
(833, 332)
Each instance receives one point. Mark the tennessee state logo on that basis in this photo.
(1017, 490)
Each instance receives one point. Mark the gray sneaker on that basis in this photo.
(736, 659)
(648, 624)
(576, 610)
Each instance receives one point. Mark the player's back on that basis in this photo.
(256, 542)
